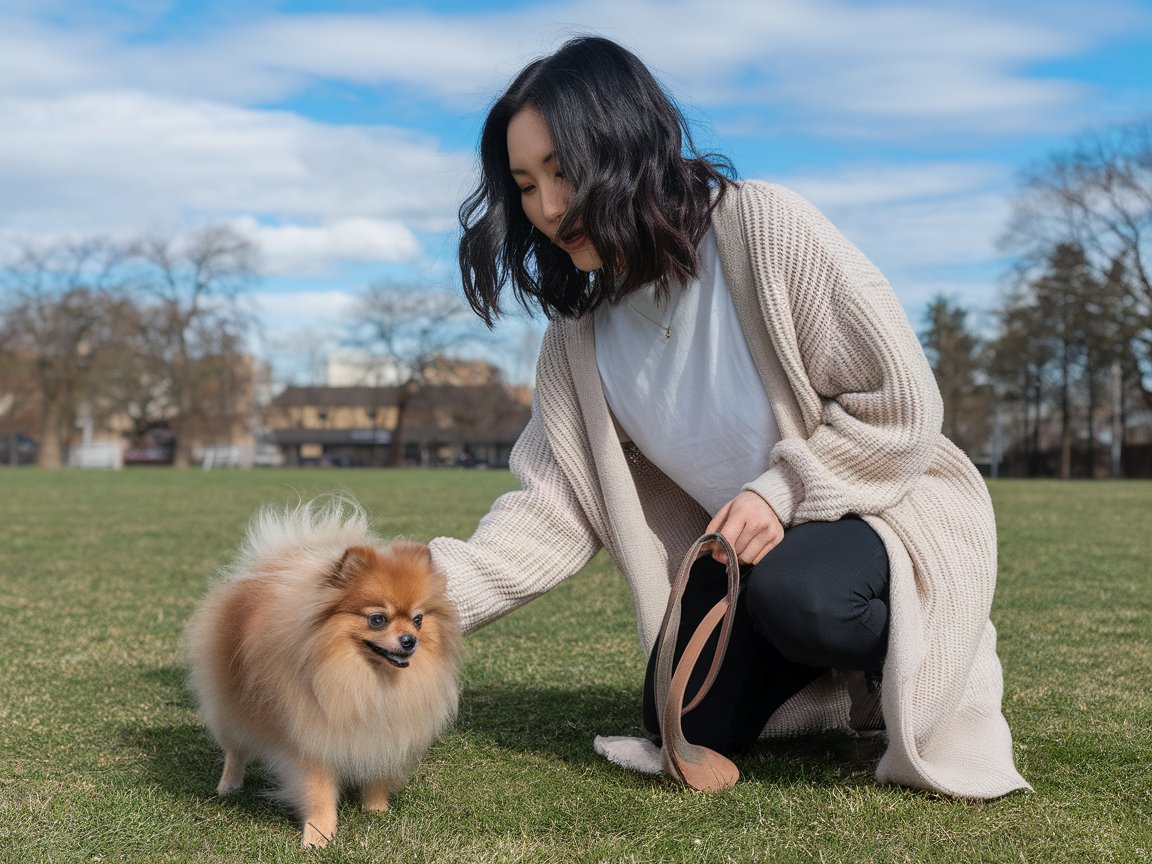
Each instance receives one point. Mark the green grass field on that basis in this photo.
(103, 759)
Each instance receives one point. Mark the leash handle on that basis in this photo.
(696, 766)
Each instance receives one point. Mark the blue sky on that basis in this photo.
(340, 135)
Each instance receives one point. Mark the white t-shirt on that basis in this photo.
(682, 384)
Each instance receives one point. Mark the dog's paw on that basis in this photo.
(232, 777)
(314, 838)
(374, 797)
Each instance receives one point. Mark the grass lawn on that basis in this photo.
(102, 758)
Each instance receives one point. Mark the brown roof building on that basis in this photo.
(444, 424)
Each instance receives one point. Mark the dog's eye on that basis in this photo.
(417, 620)
(377, 621)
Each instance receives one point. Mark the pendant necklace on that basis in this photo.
(665, 328)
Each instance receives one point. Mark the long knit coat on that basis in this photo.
(859, 415)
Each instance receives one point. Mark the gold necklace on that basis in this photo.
(667, 328)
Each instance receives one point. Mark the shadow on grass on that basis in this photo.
(556, 722)
(174, 680)
(828, 759)
(182, 759)
(561, 722)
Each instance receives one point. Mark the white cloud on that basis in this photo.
(322, 310)
(126, 160)
(820, 61)
(878, 71)
(919, 222)
(314, 250)
(455, 56)
(811, 57)
(99, 129)
(39, 59)
(867, 186)
(299, 330)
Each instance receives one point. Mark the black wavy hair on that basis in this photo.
(640, 190)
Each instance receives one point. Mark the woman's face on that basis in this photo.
(544, 192)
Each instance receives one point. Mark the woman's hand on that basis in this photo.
(750, 524)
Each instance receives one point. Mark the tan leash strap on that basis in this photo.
(698, 767)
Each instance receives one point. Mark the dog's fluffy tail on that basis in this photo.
(318, 530)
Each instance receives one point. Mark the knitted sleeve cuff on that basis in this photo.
(781, 488)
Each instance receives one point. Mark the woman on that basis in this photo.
(719, 358)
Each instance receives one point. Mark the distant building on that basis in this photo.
(352, 368)
(464, 415)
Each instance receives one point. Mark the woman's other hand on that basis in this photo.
(749, 523)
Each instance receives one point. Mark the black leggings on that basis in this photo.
(817, 601)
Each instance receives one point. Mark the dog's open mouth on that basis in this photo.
(396, 658)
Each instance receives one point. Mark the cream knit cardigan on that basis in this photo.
(859, 415)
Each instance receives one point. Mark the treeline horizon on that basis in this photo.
(1057, 380)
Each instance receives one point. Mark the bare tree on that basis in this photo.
(194, 327)
(151, 329)
(134, 384)
(413, 329)
(54, 328)
(1097, 195)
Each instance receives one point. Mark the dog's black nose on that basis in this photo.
(407, 643)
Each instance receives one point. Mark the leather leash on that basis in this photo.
(697, 767)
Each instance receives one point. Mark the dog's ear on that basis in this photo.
(410, 550)
(354, 561)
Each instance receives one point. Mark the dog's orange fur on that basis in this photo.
(298, 659)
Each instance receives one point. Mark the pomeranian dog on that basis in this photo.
(327, 654)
